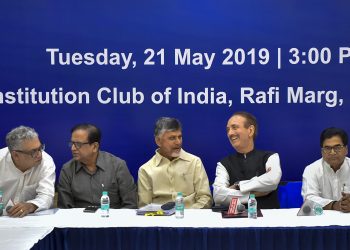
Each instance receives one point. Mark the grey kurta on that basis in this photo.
(79, 188)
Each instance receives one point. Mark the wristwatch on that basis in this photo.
(332, 206)
(237, 186)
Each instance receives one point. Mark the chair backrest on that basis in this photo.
(289, 194)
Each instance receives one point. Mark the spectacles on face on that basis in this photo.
(336, 149)
(34, 152)
(77, 144)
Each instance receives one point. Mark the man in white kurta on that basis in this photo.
(327, 180)
(27, 173)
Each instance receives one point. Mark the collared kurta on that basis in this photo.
(322, 185)
(79, 188)
(36, 185)
(161, 179)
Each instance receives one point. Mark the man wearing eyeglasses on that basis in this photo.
(327, 180)
(92, 171)
(27, 173)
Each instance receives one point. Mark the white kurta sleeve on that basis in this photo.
(266, 182)
(311, 189)
(46, 185)
(222, 193)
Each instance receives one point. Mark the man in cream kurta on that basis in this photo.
(173, 170)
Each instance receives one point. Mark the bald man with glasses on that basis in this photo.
(92, 171)
(327, 180)
(27, 173)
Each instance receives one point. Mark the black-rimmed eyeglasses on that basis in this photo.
(336, 149)
(34, 152)
(77, 144)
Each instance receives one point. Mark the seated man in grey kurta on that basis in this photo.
(92, 171)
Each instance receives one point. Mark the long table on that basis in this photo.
(200, 229)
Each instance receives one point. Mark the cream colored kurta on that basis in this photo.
(160, 179)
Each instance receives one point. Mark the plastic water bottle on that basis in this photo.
(252, 207)
(1, 203)
(105, 204)
(179, 206)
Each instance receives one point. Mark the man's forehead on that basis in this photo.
(236, 119)
(31, 143)
(334, 140)
(80, 133)
(172, 133)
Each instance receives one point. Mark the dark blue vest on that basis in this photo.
(242, 168)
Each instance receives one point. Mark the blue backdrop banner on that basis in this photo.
(122, 64)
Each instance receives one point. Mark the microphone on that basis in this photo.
(167, 206)
(307, 209)
(310, 208)
(240, 208)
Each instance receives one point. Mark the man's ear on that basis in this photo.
(96, 146)
(157, 140)
(14, 155)
(251, 130)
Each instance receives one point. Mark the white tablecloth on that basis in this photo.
(18, 238)
(22, 233)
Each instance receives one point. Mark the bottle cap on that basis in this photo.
(318, 209)
(104, 193)
(252, 195)
(179, 193)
